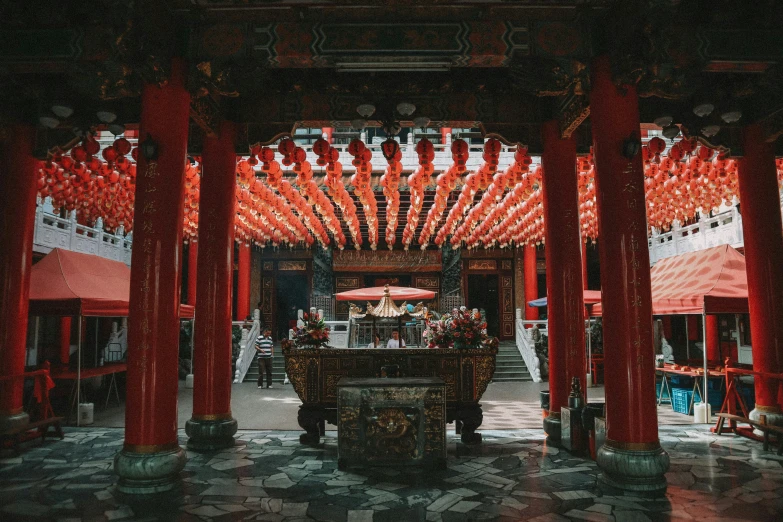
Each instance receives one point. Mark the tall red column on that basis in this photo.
(531, 282)
(761, 226)
(328, 131)
(243, 282)
(17, 220)
(151, 458)
(65, 340)
(632, 457)
(212, 426)
(565, 306)
(584, 266)
(192, 270)
(712, 342)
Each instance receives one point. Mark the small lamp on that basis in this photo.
(149, 148)
(631, 146)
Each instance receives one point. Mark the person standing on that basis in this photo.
(265, 351)
(396, 341)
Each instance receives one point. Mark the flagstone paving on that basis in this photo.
(513, 475)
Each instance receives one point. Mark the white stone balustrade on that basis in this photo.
(52, 231)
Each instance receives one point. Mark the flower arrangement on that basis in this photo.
(313, 333)
(460, 329)
(438, 334)
(467, 328)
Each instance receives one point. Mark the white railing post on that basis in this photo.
(675, 231)
(72, 235)
(703, 228)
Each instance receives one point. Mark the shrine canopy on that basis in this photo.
(711, 281)
(66, 283)
(376, 293)
(591, 297)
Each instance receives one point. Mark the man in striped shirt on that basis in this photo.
(265, 351)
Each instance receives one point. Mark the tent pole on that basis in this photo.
(687, 342)
(35, 339)
(78, 369)
(704, 345)
(97, 327)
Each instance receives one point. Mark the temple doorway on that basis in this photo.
(483, 294)
(291, 292)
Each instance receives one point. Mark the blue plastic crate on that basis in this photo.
(748, 396)
(715, 398)
(681, 400)
(681, 381)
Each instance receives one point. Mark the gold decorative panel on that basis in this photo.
(292, 265)
(482, 264)
(505, 264)
(347, 282)
(427, 282)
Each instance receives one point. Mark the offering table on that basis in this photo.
(315, 373)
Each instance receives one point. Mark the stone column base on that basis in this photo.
(639, 468)
(210, 434)
(773, 413)
(149, 473)
(552, 425)
(12, 421)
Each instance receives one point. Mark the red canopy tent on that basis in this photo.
(710, 281)
(375, 293)
(74, 284)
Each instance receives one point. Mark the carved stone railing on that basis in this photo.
(247, 350)
(725, 228)
(527, 348)
(52, 231)
(315, 372)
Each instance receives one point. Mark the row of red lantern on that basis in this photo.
(81, 182)
(341, 197)
(362, 188)
(271, 207)
(274, 178)
(511, 220)
(317, 199)
(688, 179)
(390, 183)
(446, 182)
(192, 193)
(480, 218)
(416, 182)
(493, 185)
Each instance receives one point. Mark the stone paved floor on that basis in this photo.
(512, 476)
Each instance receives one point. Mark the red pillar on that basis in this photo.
(584, 266)
(712, 342)
(632, 457)
(761, 226)
(531, 282)
(17, 219)
(444, 131)
(565, 305)
(65, 340)
(212, 426)
(151, 458)
(328, 131)
(192, 270)
(243, 282)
